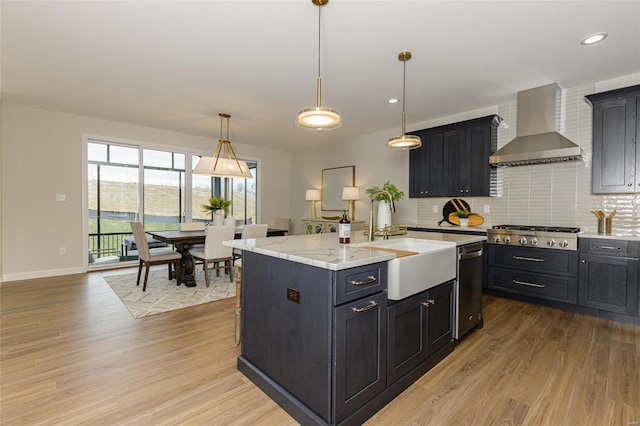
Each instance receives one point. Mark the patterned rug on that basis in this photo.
(163, 295)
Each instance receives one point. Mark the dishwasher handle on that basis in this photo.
(469, 254)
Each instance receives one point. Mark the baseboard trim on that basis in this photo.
(42, 274)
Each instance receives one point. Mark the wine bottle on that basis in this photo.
(344, 229)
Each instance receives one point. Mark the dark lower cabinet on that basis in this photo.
(360, 371)
(608, 275)
(316, 340)
(419, 326)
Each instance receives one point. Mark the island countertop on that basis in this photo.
(324, 250)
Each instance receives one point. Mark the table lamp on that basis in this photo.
(351, 193)
(313, 195)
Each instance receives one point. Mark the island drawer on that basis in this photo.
(552, 287)
(354, 283)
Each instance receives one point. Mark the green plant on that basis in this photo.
(462, 214)
(392, 189)
(216, 203)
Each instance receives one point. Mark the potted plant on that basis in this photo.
(384, 209)
(216, 206)
(392, 189)
(464, 217)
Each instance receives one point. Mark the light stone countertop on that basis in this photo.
(324, 250)
(613, 236)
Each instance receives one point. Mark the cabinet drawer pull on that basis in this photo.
(372, 304)
(428, 303)
(370, 279)
(608, 248)
(529, 284)
(530, 259)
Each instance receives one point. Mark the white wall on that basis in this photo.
(42, 157)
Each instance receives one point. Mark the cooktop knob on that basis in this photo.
(534, 241)
(522, 240)
(564, 244)
(552, 243)
(507, 239)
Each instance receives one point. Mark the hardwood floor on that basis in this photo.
(72, 354)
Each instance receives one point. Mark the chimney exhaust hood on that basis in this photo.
(537, 141)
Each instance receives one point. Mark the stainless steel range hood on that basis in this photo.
(537, 141)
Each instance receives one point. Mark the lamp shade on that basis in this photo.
(350, 193)
(225, 168)
(313, 195)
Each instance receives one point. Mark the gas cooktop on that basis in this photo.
(538, 228)
(554, 237)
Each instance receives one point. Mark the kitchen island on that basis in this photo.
(317, 334)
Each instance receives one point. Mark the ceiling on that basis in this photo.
(175, 65)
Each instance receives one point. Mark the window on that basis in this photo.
(130, 182)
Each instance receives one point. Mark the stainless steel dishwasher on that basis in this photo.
(470, 270)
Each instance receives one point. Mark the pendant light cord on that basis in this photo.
(319, 22)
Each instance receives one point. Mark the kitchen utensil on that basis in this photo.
(450, 208)
(613, 213)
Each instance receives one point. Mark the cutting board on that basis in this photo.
(399, 253)
(474, 219)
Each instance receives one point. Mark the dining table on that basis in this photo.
(184, 240)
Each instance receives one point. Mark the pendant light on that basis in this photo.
(319, 117)
(224, 162)
(404, 141)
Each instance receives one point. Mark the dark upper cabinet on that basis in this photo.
(454, 159)
(426, 166)
(616, 151)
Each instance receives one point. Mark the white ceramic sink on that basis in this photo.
(434, 263)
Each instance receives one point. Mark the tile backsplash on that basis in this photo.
(556, 194)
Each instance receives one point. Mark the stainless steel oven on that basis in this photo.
(533, 261)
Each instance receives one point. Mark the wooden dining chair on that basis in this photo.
(159, 257)
(214, 252)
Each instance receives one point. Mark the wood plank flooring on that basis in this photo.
(72, 354)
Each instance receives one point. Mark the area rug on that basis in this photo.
(163, 295)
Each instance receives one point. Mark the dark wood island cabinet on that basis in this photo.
(317, 341)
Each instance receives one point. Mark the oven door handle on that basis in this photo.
(528, 259)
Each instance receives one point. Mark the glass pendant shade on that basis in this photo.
(404, 141)
(224, 162)
(319, 117)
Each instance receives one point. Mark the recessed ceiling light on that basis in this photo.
(593, 38)
(393, 101)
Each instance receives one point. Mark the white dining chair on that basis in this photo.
(159, 257)
(283, 223)
(258, 230)
(192, 226)
(214, 252)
